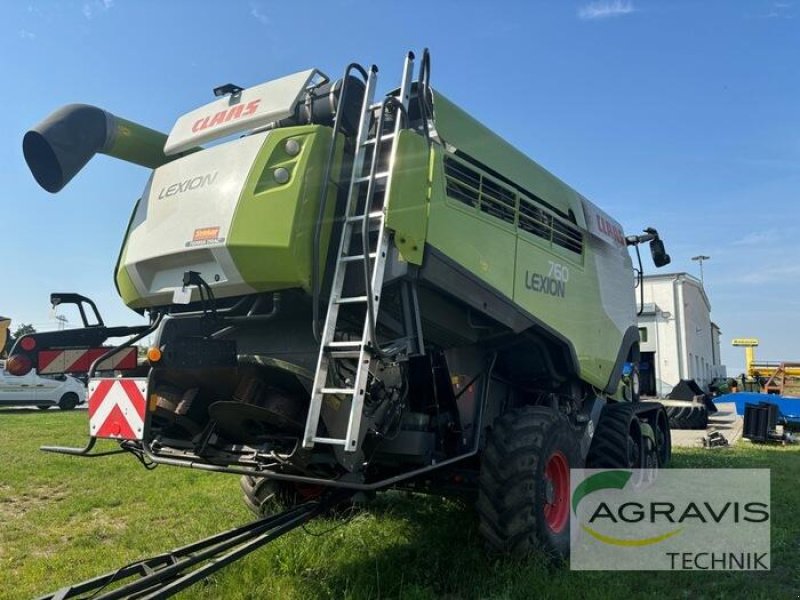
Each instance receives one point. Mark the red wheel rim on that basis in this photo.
(556, 507)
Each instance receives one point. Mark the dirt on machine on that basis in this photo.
(350, 292)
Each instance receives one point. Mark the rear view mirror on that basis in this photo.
(659, 254)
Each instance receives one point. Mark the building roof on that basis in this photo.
(686, 278)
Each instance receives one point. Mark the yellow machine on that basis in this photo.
(761, 368)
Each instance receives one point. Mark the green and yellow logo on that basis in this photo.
(613, 480)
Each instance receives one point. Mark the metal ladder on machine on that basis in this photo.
(373, 260)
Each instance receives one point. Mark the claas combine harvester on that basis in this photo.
(347, 293)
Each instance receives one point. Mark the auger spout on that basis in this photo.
(61, 145)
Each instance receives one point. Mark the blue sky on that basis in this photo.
(681, 115)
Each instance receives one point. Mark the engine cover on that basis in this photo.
(240, 213)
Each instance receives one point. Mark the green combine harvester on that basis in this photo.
(350, 293)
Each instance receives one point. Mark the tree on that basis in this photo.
(23, 329)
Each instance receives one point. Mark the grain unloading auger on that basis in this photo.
(354, 293)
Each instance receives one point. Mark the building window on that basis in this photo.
(643, 334)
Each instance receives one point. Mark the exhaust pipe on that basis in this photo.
(61, 145)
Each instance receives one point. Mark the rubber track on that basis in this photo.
(609, 448)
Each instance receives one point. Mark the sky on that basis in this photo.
(675, 114)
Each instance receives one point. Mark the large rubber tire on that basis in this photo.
(523, 497)
(68, 401)
(687, 417)
(617, 441)
(266, 497)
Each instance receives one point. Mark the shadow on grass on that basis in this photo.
(405, 546)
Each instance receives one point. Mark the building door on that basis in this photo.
(647, 374)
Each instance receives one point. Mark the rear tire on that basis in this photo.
(266, 497)
(68, 401)
(40, 407)
(523, 497)
(687, 417)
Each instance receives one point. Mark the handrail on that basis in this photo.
(376, 349)
(315, 250)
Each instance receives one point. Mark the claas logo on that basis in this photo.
(223, 116)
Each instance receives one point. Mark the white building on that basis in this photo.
(678, 338)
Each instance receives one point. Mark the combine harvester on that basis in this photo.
(351, 294)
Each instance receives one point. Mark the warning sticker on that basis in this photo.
(205, 236)
(205, 233)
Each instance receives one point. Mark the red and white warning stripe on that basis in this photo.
(80, 360)
(117, 408)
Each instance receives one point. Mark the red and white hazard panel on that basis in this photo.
(78, 360)
(117, 408)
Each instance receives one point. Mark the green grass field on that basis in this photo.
(65, 519)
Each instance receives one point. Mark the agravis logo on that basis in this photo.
(613, 480)
(670, 519)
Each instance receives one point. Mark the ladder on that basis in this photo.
(336, 349)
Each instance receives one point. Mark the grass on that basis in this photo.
(64, 519)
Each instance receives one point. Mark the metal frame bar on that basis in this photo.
(164, 575)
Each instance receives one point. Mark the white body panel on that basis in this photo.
(614, 270)
(251, 108)
(184, 219)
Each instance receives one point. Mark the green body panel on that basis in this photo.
(127, 290)
(125, 287)
(465, 133)
(524, 267)
(407, 210)
(485, 247)
(578, 316)
(272, 230)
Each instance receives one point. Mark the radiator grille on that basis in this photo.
(484, 193)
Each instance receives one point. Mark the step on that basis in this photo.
(345, 344)
(344, 353)
(384, 138)
(351, 300)
(379, 175)
(343, 391)
(375, 214)
(356, 257)
(326, 440)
